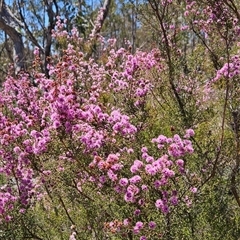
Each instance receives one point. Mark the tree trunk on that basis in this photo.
(9, 24)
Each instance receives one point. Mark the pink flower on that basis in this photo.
(144, 150)
(133, 189)
(152, 225)
(168, 173)
(150, 169)
(137, 212)
(135, 179)
(36, 51)
(112, 158)
(123, 182)
(193, 189)
(129, 196)
(126, 221)
(134, 168)
(144, 187)
(174, 200)
(189, 133)
(149, 159)
(159, 203)
(157, 183)
(138, 226)
(165, 209)
(112, 176)
(180, 163)
(138, 163)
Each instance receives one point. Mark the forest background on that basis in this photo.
(120, 119)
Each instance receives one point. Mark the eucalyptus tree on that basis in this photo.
(29, 24)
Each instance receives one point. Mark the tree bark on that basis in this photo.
(9, 24)
(52, 21)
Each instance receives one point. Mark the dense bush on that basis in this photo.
(125, 146)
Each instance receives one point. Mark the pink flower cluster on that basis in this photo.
(229, 70)
(50, 118)
(78, 118)
(151, 177)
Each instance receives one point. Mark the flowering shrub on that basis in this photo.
(106, 146)
(153, 187)
(78, 125)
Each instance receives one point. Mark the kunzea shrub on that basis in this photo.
(77, 135)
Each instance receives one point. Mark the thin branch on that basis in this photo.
(66, 211)
(154, 6)
(52, 22)
(33, 235)
(37, 16)
(29, 33)
(236, 121)
(215, 164)
(233, 7)
(213, 55)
